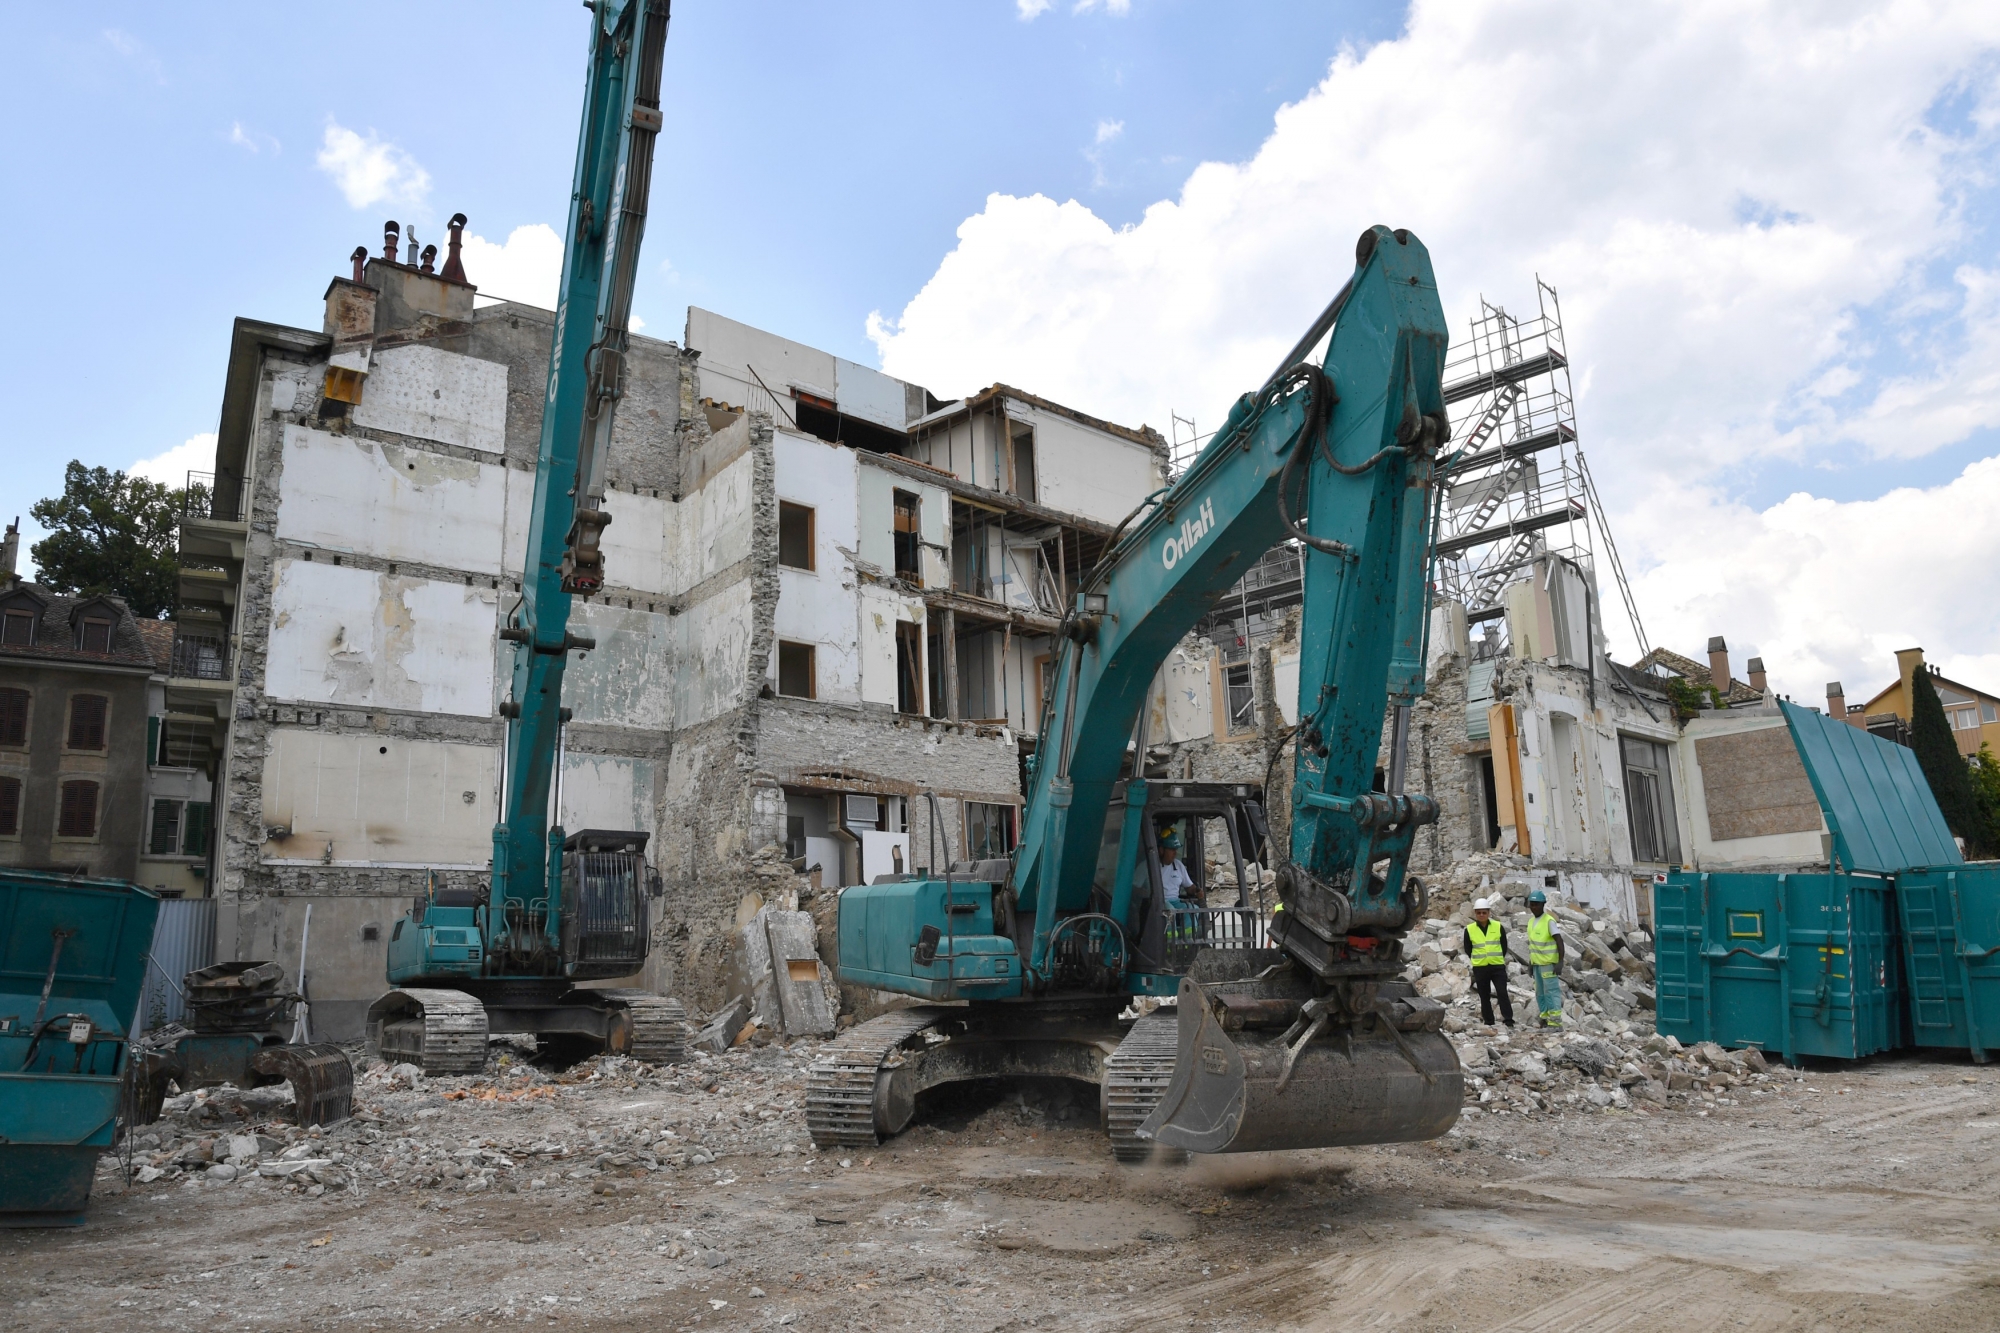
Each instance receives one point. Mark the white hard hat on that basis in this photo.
(1482, 905)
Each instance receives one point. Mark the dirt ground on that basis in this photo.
(1853, 1197)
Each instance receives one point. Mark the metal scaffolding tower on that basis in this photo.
(1516, 486)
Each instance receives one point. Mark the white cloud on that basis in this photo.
(527, 267)
(1116, 8)
(1107, 130)
(194, 454)
(1030, 10)
(369, 171)
(255, 141)
(1738, 205)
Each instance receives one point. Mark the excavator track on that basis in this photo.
(840, 1089)
(1135, 1078)
(439, 1031)
(658, 1033)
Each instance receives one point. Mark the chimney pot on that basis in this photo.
(454, 269)
(410, 232)
(430, 259)
(390, 233)
(360, 261)
(1755, 666)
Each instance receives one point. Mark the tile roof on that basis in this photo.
(55, 637)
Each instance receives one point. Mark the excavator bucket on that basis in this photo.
(322, 1080)
(1309, 1086)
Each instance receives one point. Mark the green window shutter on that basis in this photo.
(153, 740)
(194, 841)
(166, 829)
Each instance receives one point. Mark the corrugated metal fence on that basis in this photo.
(183, 940)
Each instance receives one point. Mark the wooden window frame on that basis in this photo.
(812, 536)
(812, 669)
(103, 725)
(12, 790)
(10, 614)
(63, 790)
(89, 623)
(153, 847)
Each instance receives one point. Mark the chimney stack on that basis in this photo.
(10, 551)
(1836, 701)
(1718, 665)
(454, 270)
(360, 261)
(429, 264)
(1755, 666)
(391, 233)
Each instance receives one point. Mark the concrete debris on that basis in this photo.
(720, 1032)
(776, 964)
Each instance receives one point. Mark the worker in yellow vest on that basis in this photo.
(1486, 948)
(1545, 959)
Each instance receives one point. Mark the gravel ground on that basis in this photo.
(618, 1196)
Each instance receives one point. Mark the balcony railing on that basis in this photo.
(200, 658)
(208, 496)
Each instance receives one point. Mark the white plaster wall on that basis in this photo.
(346, 494)
(711, 529)
(606, 792)
(635, 545)
(1285, 680)
(436, 395)
(1085, 471)
(819, 606)
(711, 647)
(727, 348)
(876, 516)
(342, 635)
(1182, 705)
(869, 394)
(881, 609)
(377, 800)
(628, 679)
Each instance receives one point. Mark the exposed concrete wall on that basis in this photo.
(1085, 471)
(341, 634)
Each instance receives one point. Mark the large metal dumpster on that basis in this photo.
(1951, 954)
(1793, 965)
(72, 962)
(1807, 964)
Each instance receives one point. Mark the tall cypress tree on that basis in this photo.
(1944, 767)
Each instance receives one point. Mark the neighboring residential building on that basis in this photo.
(75, 674)
(1973, 713)
(827, 591)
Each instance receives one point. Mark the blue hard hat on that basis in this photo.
(1171, 839)
(1538, 897)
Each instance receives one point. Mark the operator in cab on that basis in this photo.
(1486, 948)
(1175, 880)
(1545, 960)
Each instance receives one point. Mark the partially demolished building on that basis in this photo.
(827, 592)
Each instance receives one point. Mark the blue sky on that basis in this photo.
(1772, 228)
(821, 157)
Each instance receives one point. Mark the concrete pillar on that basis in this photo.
(948, 640)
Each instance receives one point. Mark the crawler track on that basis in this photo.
(659, 1025)
(1135, 1078)
(439, 1031)
(840, 1090)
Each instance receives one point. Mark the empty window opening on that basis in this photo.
(934, 645)
(798, 677)
(1491, 799)
(1024, 461)
(78, 815)
(908, 531)
(909, 667)
(989, 830)
(94, 636)
(86, 721)
(10, 807)
(13, 717)
(795, 535)
(1242, 698)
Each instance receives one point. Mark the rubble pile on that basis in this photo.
(512, 1129)
(1607, 1054)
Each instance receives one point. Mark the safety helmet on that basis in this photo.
(1538, 897)
(1482, 905)
(1170, 839)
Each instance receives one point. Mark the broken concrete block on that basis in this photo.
(798, 978)
(719, 1033)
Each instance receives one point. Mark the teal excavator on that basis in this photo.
(1290, 1027)
(559, 909)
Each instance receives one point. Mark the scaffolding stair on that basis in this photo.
(1489, 420)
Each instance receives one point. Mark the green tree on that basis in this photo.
(1985, 774)
(1944, 767)
(110, 533)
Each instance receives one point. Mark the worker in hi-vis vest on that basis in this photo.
(1545, 959)
(1486, 948)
